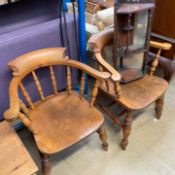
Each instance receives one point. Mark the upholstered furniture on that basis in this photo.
(59, 119)
(96, 20)
(132, 96)
(28, 25)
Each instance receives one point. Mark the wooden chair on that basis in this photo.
(59, 120)
(132, 96)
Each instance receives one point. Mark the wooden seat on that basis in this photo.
(139, 94)
(68, 124)
(133, 95)
(61, 119)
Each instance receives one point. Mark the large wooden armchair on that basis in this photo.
(132, 96)
(61, 119)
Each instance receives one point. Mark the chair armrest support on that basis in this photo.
(160, 47)
(14, 110)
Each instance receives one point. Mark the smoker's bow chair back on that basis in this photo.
(63, 118)
(134, 95)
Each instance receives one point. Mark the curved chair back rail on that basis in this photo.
(30, 62)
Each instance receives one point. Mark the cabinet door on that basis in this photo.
(164, 25)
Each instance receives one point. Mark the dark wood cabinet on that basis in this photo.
(164, 25)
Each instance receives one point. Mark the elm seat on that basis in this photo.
(68, 124)
(139, 94)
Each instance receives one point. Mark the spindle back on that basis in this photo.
(28, 64)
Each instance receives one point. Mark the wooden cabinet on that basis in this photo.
(164, 25)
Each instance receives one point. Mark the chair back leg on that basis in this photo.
(159, 107)
(46, 167)
(103, 137)
(126, 129)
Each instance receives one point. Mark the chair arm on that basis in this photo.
(13, 111)
(101, 39)
(115, 75)
(98, 42)
(159, 45)
(89, 70)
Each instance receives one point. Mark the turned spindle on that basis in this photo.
(27, 122)
(107, 85)
(94, 93)
(53, 79)
(155, 63)
(69, 80)
(23, 107)
(117, 89)
(82, 84)
(26, 95)
(38, 85)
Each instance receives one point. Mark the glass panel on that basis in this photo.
(141, 22)
(134, 61)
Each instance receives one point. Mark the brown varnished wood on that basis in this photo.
(82, 84)
(26, 95)
(103, 136)
(139, 94)
(23, 107)
(94, 93)
(155, 63)
(38, 85)
(69, 80)
(135, 95)
(26, 63)
(14, 159)
(159, 45)
(107, 85)
(126, 129)
(46, 57)
(53, 79)
(63, 118)
(159, 107)
(164, 26)
(117, 89)
(46, 167)
(25, 120)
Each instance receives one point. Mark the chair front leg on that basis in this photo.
(103, 137)
(46, 167)
(126, 129)
(159, 107)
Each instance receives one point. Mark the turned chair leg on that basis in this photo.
(46, 167)
(103, 137)
(159, 107)
(126, 130)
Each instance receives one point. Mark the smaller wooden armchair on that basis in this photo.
(63, 118)
(132, 96)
